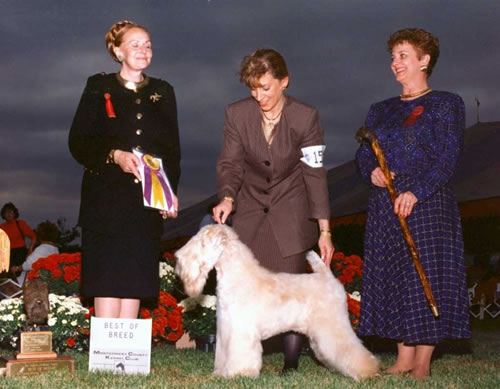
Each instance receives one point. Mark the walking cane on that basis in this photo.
(364, 134)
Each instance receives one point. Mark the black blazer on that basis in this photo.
(111, 200)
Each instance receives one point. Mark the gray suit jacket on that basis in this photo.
(273, 182)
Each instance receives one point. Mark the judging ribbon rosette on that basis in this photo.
(109, 106)
(157, 192)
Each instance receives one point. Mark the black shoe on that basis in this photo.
(290, 367)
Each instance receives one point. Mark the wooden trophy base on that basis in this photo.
(32, 366)
(37, 355)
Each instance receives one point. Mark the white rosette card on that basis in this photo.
(156, 189)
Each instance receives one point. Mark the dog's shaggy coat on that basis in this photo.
(254, 304)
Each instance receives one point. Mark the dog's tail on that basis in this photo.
(317, 265)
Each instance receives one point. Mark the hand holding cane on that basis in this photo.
(364, 134)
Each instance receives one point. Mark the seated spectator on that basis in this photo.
(48, 235)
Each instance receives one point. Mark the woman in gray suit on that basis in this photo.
(270, 175)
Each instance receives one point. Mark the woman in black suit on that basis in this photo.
(119, 112)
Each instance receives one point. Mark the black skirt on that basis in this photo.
(119, 266)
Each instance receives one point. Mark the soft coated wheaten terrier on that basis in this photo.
(254, 304)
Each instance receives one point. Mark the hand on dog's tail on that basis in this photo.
(317, 264)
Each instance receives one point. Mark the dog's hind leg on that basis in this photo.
(341, 349)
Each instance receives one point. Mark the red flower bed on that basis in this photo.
(62, 274)
(60, 271)
(70, 342)
(349, 271)
(167, 318)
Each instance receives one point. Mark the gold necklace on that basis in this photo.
(135, 86)
(416, 94)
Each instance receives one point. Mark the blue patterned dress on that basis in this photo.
(421, 140)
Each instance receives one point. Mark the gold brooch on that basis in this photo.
(154, 98)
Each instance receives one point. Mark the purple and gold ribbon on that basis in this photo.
(155, 187)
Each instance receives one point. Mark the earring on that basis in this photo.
(423, 68)
(120, 58)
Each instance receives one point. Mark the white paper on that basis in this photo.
(120, 345)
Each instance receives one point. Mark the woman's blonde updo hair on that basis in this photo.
(114, 36)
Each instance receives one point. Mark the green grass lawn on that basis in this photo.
(474, 365)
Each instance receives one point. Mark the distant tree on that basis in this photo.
(68, 236)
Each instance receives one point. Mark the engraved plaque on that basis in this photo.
(38, 366)
(36, 342)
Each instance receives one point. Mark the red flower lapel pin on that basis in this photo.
(109, 106)
(410, 120)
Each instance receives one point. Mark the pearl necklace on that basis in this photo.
(416, 94)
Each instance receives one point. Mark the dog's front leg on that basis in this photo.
(237, 353)
(221, 346)
(244, 358)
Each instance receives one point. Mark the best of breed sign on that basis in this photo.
(120, 345)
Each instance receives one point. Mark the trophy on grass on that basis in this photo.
(36, 355)
(36, 339)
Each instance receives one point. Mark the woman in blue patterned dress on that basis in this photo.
(421, 135)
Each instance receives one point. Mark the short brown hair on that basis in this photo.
(423, 42)
(114, 37)
(261, 61)
(48, 232)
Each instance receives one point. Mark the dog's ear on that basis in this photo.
(215, 236)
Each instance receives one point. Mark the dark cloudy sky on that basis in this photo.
(335, 51)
